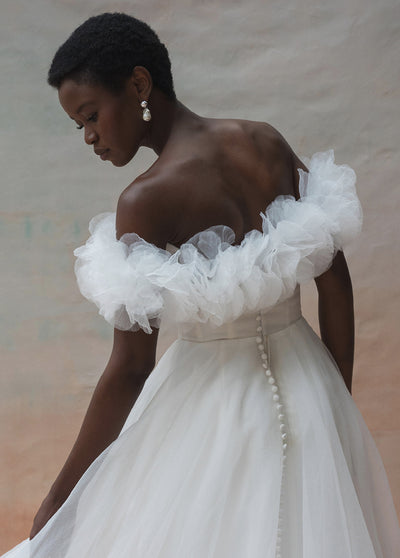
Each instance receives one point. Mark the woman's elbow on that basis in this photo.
(133, 354)
(336, 278)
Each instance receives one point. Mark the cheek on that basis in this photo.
(131, 117)
(124, 127)
(132, 132)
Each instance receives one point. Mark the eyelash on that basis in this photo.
(92, 118)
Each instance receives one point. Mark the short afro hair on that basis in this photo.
(105, 49)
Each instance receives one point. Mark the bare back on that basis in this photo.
(224, 172)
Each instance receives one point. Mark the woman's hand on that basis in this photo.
(48, 508)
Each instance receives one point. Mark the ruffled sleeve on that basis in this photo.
(209, 279)
(120, 277)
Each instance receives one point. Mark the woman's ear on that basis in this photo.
(141, 81)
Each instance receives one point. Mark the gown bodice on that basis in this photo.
(209, 279)
(280, 316)
(244, 441)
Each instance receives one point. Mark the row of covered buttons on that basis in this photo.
(261, 343)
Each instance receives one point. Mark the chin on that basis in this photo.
(122, 161)
(119, 162)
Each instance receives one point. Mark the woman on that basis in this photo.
(245, 441)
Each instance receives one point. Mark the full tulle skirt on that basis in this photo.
(244, 443)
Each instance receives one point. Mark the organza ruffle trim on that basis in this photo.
(209, 279)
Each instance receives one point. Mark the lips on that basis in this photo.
(102, 153)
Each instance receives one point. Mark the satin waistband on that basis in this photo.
(275, 319)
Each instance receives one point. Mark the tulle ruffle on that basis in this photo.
(209, 279)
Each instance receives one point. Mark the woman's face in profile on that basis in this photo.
(112, 123)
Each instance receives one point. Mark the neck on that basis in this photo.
(167, 118)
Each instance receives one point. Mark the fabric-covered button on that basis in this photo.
(282, 426)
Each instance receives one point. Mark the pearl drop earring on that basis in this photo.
(146, 111)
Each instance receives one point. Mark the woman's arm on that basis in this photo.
(335, 304)
(336, 315)
(132, 359)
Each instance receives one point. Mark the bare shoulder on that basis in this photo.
(147, 207)
(271, 142)
(279, 154)
(267, 141)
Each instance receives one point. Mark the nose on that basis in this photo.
(90, 136)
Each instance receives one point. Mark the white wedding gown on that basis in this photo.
(244, 442)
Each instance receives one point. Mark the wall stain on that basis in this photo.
(28, 228)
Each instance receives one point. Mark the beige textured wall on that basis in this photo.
(325, 73)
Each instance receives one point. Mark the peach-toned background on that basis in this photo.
(324, 73)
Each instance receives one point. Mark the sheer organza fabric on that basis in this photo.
(209, 279)
(203, 467)
(197, 470)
